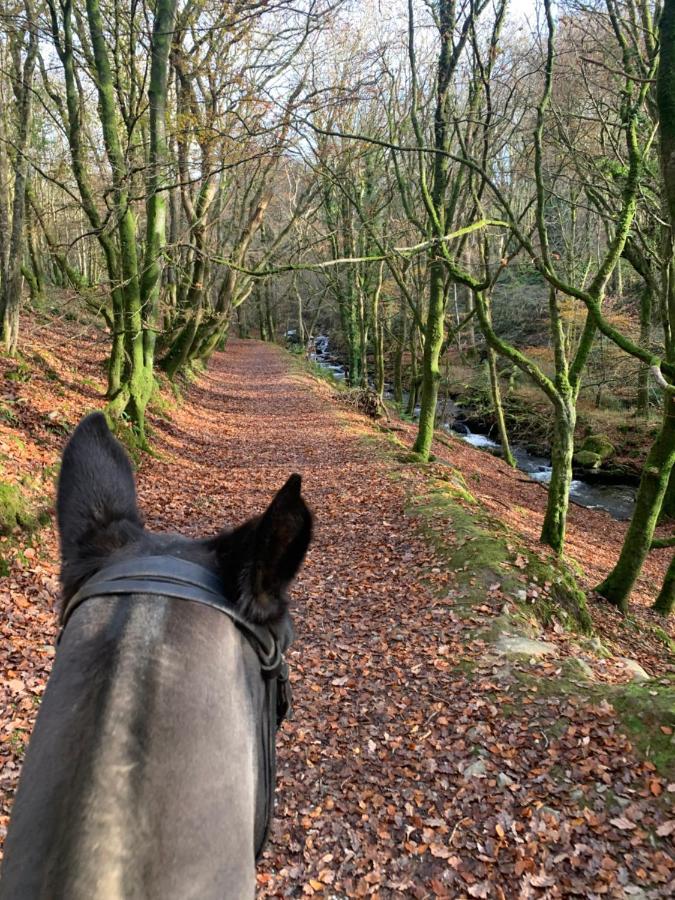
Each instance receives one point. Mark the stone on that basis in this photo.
(513, 645)
(635, 892)
(598, 648)
(634, 667)
(504, 780)
(598, 444)
(476, 769)
(587, 459)
(579, 668)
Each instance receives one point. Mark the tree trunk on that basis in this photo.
(666, 600)
(616, 588)
(156, 205)
(433, 341)
(363, 337)
(10, 300)
(645, 341)
(269, 314)
(398, 356)
(414, 381)
(562, 449)
(507, 456)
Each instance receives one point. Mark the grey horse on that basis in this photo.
(148, 775)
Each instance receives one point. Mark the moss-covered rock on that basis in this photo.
(14, 509)
(587, 459)
(600, 445)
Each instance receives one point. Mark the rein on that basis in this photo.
(168, 576)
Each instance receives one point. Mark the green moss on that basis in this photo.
(465, 666)
(22, 373)
(128, 437)
(664, 637)
(587, 459)
(599, 444)
(14, 509)
(8, 415)
(644, 708)
(162, 401)
(481, 546)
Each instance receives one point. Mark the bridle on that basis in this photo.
(169, 576)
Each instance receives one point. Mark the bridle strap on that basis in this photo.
(169, 576)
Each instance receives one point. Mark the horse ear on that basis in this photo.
(259, 560)
(96, 502)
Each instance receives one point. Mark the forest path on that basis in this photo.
(417, 764)
(413, 765)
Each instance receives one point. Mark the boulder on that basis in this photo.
(587, 459)
(599, 444)
(634, 667)
(513, 645)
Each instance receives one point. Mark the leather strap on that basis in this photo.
(170, 576)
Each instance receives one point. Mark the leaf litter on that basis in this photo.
(414, 765)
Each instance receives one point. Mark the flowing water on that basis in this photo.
(617, 499)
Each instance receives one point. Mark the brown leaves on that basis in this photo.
(396, 694)
(623, 823)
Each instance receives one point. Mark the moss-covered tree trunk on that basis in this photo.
(437, 212)
(616, 588)
(562, 450)
(413, 378)
(659, 463)
(400, 337)
(645, 342)
(431, 373)
(665, 602)
(11, 283)
(138, 285)
(498, 408)
(156, 204)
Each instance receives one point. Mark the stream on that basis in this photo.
(616, 499)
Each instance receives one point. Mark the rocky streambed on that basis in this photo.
(595, 485)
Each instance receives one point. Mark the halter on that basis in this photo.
(168, 576)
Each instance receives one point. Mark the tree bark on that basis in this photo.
(665, 601)
(10, 298)
(507, 456)
(645, 342)
(562, 449)
(616, 588)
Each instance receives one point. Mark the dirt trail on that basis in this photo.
(374, 797)
(413, 765)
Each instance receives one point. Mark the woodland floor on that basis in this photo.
(396, 695)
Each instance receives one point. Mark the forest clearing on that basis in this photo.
(391, 285)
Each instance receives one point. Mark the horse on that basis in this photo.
(150, 771)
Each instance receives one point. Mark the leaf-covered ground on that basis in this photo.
(419, 762)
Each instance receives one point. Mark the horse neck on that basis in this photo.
(152, 710)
